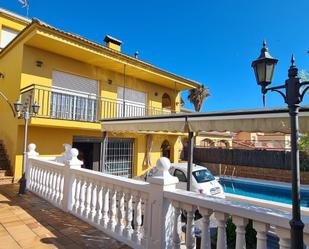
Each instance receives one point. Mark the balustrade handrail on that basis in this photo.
(117, 181)
(47, 162)
(68, 104)
(246, 210)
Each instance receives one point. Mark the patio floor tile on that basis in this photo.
(31, 222)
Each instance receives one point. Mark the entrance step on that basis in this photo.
(6, 176)
(6, 180)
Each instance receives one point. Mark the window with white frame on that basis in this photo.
(131, 103)
(7, 35)
(73, 97)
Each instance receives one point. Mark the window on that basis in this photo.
(166, 101)
(73, 97)
(203, 176)
(130, 103)
(118, 157)
(180, 175)
(7, 35)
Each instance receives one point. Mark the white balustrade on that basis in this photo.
(148, 214)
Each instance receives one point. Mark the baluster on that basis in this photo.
(261, 234)
(61, 186)
(58, 186)
(206, 240)
(82, 198)
(120, 224)
(45, 189)
(177, 225)
(105, 199)
(145, 220)
(98, 215)
(240, 224)
(87, 198)
(93, 201)
(284, 237)
(112, 209)
(129, 209)
(137, 219)
(32, 178)
(190, 239)
(76, 194)
(47, 185)
(53, 186)
(56, 176)
(50, 185)
(40, 181)
(221, 222)
(37, 188)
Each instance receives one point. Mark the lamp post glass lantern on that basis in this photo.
(293, 95)
(23, 112)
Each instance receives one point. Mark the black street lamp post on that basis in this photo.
(294, 93)
(23, 112)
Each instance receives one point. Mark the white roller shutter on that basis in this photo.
(73, 97)
(7, 35)
(74, 82)
(131, 102)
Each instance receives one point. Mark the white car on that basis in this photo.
(202, 182)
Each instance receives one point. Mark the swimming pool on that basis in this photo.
(263, 190)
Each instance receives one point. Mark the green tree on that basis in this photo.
(197, 96)
(304, 143)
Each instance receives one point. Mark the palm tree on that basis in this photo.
(197, 96)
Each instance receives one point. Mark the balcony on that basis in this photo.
(66, 104)
(148, 214)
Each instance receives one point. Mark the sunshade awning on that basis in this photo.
(166, 123)
(266, 120)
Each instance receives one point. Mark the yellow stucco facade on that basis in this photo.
(56, 50)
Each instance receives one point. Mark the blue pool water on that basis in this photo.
(264, 191)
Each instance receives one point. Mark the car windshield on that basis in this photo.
(203, 175)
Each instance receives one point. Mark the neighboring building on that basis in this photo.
(214, 139)
(77, 82)
(260, 140)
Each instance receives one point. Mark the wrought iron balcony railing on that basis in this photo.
(66, 104)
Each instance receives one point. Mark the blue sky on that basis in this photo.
(213, 42)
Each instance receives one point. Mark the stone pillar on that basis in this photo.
(68, 190)
(160, 210)
(30, 154)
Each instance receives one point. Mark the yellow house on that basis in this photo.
(76, 83)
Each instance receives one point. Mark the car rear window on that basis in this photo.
(203, 175)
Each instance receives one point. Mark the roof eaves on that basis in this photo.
(14, 15)
(129, 59)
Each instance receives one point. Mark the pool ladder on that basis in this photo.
(233, 172)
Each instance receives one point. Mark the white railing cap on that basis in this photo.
(74, 161)
(161, 173)
(31, 150)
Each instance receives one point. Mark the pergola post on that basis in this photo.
(190, 159)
